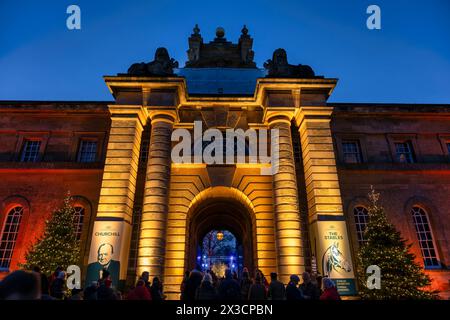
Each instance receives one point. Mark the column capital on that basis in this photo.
(314, 113)
(163, 115)
(129, 111)
(278, 114)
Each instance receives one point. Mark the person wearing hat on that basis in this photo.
(292, 290)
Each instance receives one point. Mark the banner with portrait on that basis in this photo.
(108, 251)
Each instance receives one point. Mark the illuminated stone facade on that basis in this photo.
(330, 154)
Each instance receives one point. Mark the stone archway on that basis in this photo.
(221, 208)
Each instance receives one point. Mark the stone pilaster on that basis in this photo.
(152, 241)
(286, 205)
(329, 236)
(112, 228)
(322, 183)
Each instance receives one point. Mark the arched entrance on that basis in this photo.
(221, 214)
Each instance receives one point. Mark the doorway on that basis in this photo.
(220, 237)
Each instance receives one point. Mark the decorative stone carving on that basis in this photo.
(278, 66)
(162, 65)
(220, 53)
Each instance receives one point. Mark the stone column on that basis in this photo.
(287, 217)
(152, 239)
(112, 227)
(325, 214)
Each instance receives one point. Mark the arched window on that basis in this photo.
(425, 237)
(9, 236)
(78, 218)
(361, 216)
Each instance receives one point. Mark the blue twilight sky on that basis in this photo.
(408, 60)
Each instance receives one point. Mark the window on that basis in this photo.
(361, 216)
(87, 151)
(425, 237)
(30, 151)
(143, 155)
(351, 151)
(404, 152)
(9, 236)
(78, 221)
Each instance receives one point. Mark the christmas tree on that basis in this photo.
(58, 246)
(401, 276)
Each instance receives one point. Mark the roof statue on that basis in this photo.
(279, 67)
(161, 66)
(214, 63)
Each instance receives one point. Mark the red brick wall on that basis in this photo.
(40, 187)
(425, 183)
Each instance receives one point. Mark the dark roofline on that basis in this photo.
(53, 102)
(384, 104)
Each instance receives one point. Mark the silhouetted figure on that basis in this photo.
(257, 290)
(20, 285)
(53, 276)
(57, 287)
(183, 284)
(310, 290)
(229, 288)
(145, 276)
(104, 290)
(194, 281)
(140, 292)
(277, 290)
(90, 292)
(292, 291)
(263, 278)
(206, 290)
(75, 294)
(156, 290)
(329, 290)
(245, 284)
(44, 283)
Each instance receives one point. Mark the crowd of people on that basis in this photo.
(196, 286)
(207, 286)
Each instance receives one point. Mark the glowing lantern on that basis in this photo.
(219, 235)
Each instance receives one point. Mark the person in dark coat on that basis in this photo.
(104, 290)
(183, 284)
(75, 295)
(229, 288)
(206, 290)
(140, 292)
(90, 292)
(190, 288)
(57, 287)
(20, 285)
(257, 290)
(44, 283)
(277, 290)
(329, 290)
(156, 290)
(245, 284)
(145, 276)
(309, 289)
(263, 279)
(53, 276)
(292, 291)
